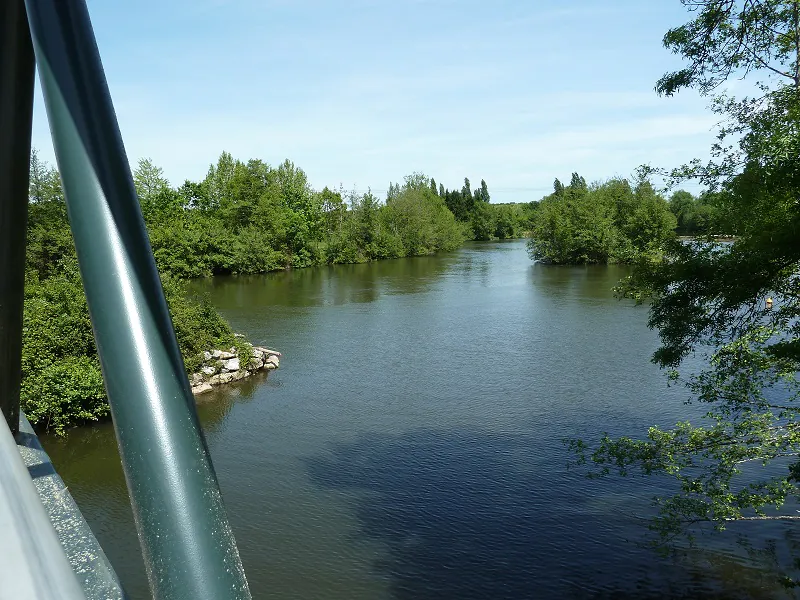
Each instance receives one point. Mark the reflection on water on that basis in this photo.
(330, 286)
(410, 444)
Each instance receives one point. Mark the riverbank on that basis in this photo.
(219, 367)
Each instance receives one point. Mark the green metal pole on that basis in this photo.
(16, 110)
(186, 539)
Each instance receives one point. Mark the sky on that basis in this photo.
(359, 93)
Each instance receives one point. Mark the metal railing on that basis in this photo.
(186, 540)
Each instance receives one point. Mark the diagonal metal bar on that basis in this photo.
(186, 539)
(16, 110)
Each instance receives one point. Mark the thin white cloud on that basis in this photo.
(363, 92)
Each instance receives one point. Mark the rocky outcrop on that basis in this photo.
(224, 366)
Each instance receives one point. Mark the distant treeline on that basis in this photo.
(613, 221)
(250, 217)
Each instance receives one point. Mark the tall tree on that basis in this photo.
(484, 191)
(578, 183)
(156, 196)
(466, 191)
(218, 178)
(149, 179)
(45, 182)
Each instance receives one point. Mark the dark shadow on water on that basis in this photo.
(469, 516)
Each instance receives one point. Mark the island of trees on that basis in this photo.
(615, 221)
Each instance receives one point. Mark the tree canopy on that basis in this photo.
(602, 223)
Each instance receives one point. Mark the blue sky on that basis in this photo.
(362, 92)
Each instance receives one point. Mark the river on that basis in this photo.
(410, 447)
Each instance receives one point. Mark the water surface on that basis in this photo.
(409, 447)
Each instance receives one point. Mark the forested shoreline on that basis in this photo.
(242, 218)
(249, 217)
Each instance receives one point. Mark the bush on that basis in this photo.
(198, 325)
(62, 382)
(66, 392)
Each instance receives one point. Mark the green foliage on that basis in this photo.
(727, 38)
(485, 221)
(198, 325)
(244, 350)
(695, 216)
(64, 393)
(482, 221)
(421, 222)
(609, 222)
(61, 375)
(708, 299)
(45, 182)
(153, 189)
(62, 383)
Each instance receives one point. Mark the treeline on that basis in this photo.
(485, 221)
(249, 217)
(613, 221)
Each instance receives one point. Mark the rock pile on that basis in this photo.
(224, 366)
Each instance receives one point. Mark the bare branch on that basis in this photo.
(766, 65)
(766, 518)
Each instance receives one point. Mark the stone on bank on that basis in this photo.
(224, 366)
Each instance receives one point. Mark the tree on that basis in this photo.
(482, 221)
(217, 179)
(159, 201)
(573, 227)
(420, 221)
(148, 179)
(578, 183)
(484, 193)
(334, 209)
(682, 205)
(708, 299)
(507, 221)
(602, 223)
(45, 182)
